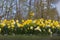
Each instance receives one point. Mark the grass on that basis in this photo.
(28, 37)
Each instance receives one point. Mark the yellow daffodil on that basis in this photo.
(2, 24)
(53, 26)
(21, 25)
(31, 27)
(9, 26)
(18, 24)
(38, 28)
(49, 30)
(0, 29)
(31, 13)
(12, 26)
(22, 20)
(17, 21)
(34, 21)
(49, 20)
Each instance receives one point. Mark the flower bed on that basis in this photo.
(37, 26)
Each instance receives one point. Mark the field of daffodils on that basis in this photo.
(29, 26)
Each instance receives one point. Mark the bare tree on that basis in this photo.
(18, 13)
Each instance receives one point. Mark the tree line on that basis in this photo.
(28, 9)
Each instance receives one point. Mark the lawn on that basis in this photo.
(28, 37)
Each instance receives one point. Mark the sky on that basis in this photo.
(58, 7)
